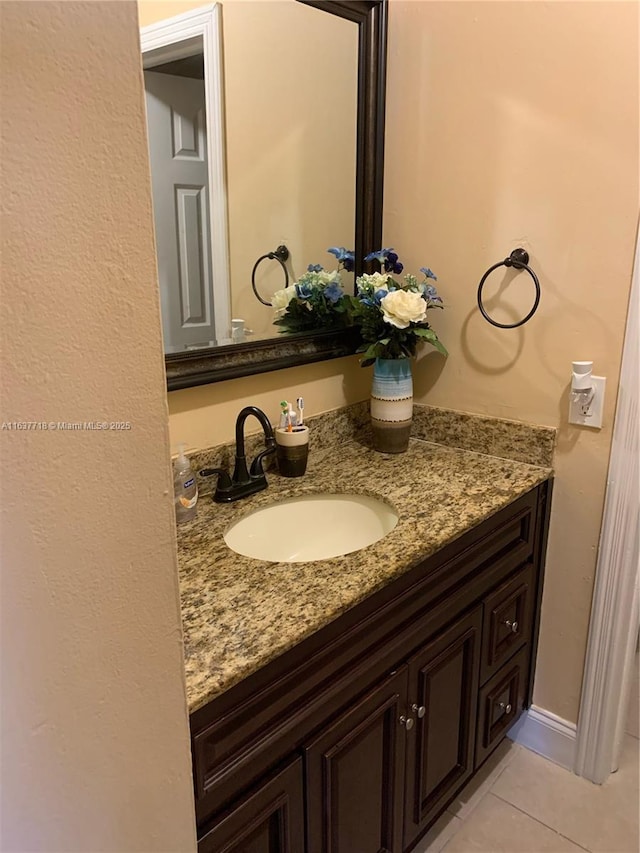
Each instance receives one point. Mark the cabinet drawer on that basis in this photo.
(507, 621)
(501, 702)
(270, 817)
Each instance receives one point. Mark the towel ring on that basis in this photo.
(518, 259)
(280, 255)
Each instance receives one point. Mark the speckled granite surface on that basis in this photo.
(483, 434)
(239, 613)
(515, 440)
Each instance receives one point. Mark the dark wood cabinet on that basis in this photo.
(269, 819)
(354, 773)
(443, 692)
(356, 739)
(500, 704)
(507, 620)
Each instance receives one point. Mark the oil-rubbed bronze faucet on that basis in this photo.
(244, 482)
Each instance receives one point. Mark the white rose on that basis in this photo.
(281, 298)
(400, 308)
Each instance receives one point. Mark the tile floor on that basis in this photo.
(523, 803)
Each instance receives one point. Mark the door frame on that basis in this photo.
(613, 629)
(175, 38)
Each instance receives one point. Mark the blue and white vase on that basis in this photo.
(391, 404)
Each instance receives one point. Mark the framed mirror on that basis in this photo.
(294, 159)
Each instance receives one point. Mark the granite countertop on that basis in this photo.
(240, 613)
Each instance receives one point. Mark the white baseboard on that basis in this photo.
(548, 735)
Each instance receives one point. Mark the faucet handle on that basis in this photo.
(224, 480)
(256, 469)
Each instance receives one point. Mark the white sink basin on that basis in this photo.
(313, 527)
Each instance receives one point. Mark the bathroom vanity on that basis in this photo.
(340, 705)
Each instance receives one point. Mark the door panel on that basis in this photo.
(180, 181)
(270, 819)
(443, 689)
(355, 775)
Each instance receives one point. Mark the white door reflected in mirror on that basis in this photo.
(176, 121)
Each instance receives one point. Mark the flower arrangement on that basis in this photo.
(392, 315)
(317, 299)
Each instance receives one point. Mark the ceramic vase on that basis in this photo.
(391, 404)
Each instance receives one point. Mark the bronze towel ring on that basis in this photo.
(518, 259)
(281, 254)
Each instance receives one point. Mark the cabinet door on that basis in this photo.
(355, 775)
(500, 704)
(270, 819)
(443, 691)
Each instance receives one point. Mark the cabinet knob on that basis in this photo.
(407, 722)
(506, 708)
(420, 710)
(512, 625)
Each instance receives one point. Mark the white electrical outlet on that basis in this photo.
(585, 408)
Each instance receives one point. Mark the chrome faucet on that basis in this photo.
(244, 482)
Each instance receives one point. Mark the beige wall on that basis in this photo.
(152, 11)
(95, 748)
(205, 416)
(493, 142)
(290, 140)
(517, 124)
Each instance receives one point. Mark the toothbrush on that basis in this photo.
(300, 404)
(284, 416)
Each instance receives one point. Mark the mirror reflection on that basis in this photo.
(275, 167)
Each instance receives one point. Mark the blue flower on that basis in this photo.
(368, 301)
(379, 295)
(380, 256)
(304, 290)
(346, 257)
(315, 268)
(392, 264)
(431, 294)
(428, 273)
(388, 259)
(343, 255)
(333, 292)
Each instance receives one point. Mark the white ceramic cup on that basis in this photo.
(292, 450)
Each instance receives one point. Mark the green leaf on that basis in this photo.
(372, 351)
(430, 336)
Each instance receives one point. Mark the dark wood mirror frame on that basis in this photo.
(200, 367)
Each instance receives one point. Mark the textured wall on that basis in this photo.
(495, 141)
(95, 749)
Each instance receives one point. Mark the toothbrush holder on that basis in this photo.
(292, 450)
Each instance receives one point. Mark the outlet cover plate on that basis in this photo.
(593, 417)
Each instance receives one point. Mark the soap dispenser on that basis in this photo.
(185, 488)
